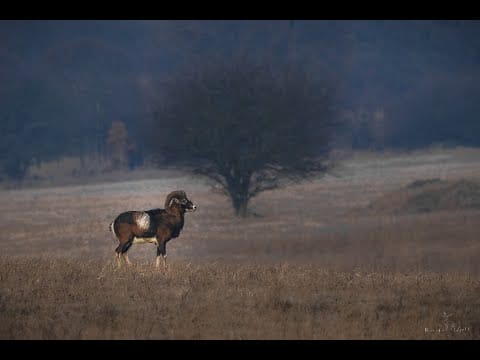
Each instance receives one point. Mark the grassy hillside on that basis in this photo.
(323, 259)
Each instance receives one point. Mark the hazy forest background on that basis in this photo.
(84, 89)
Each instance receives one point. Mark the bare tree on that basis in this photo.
(246, 125)
(119, 144)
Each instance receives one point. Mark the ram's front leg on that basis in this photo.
(161, 252)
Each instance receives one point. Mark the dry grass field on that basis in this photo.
(351, 255)
(48, 298)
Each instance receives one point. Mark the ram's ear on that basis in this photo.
(173, 201)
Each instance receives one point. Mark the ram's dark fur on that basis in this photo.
(156, 226)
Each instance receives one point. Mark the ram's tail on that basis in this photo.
(112, 229)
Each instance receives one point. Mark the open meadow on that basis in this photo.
(386, 247)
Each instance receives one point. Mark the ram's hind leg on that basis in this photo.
(124, 250)
(125, 256)
(118, 259)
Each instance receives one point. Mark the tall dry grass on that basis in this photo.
(46, 298)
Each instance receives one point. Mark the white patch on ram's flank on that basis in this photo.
(145, 240)
(143, 220)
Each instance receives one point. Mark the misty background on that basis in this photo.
(87, 88)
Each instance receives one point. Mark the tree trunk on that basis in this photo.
(241, 209)
(237, 188)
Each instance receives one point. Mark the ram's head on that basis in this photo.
(179, 199)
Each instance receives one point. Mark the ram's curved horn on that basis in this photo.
(177, 194)
(174, 200)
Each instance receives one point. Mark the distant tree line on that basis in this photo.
(443, 111)
(65, 105)
(401, 84)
